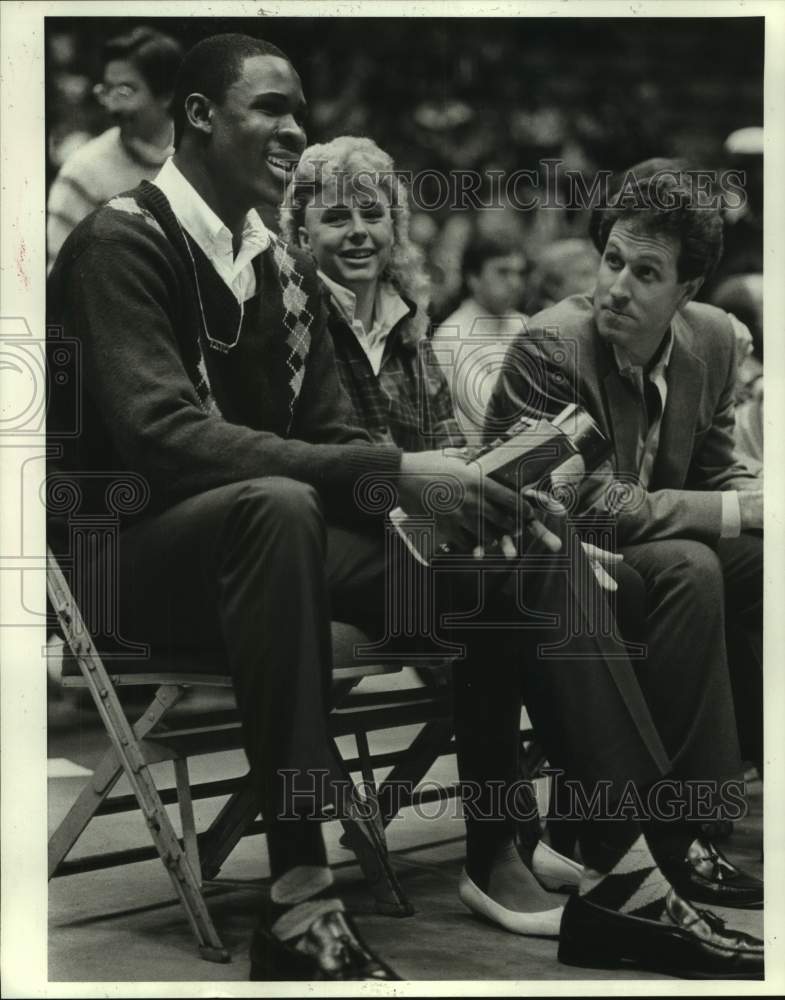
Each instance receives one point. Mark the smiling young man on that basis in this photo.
(206, 371)
(657, 372)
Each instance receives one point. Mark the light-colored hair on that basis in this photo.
(351, 157)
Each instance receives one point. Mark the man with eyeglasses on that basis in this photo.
(137, 86)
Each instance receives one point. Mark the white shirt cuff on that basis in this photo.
(731, 514)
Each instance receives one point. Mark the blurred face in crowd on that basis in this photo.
(499, 285)
(130, 102)
(580, 276)
(256, 131)
(350, 234)
(574, 277)
(638, 290)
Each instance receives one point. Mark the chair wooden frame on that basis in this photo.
(196, 858)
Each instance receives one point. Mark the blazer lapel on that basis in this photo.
(686, 377)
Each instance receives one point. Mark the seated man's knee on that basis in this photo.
(698, 567)
(273, 502)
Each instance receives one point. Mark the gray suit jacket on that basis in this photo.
(562, 359)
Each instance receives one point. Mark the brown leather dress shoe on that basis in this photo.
(689, 943)
(330, 950)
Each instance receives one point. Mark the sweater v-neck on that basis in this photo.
(221, 314)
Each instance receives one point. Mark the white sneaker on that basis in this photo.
(555, 872)
(541, 923)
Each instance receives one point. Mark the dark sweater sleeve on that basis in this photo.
(119, 301)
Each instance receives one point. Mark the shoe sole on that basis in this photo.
(592, 962)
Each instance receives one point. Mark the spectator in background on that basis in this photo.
(737, 287)
(743, 225)
(137, 86)
(742, 298)
(472, 341)
(566, 267)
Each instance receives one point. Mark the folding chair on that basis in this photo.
(196, 858)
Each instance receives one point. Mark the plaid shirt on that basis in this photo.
(409, 402)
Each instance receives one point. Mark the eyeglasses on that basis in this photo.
(119, 91)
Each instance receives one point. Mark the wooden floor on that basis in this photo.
(122, 924)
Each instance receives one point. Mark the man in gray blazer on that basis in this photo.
(657, 370)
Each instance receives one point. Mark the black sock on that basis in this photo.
(670, 840)
(293, 843)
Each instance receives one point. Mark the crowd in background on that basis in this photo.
(489, 94)
(493, 96)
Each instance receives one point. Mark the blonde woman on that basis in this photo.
(346, 206)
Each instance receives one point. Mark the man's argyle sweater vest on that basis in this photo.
(221, 317)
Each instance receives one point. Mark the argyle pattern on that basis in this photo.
(202, 385)
(131, 206)
(297, 319)
(635, 885)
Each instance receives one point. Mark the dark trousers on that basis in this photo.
(601, 716)
(705, 619)
(252, 572)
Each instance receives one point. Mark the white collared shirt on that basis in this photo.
(212, 236)
(389, 308)
(649, 434)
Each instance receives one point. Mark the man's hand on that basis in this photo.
(601, 561)
(751, 508)
(483, 500)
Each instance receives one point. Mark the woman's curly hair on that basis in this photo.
(358, 159)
